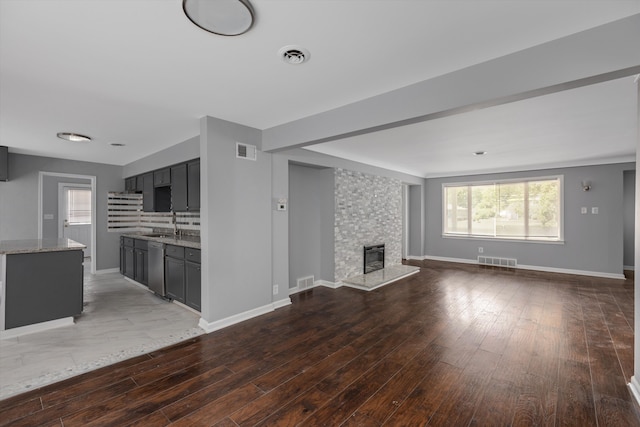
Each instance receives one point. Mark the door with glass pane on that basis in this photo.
(76, 215)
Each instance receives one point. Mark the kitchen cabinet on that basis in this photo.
(179, 188)
(162, 177)
(141, 262)
(148, 196)
(174, 272)
(183, 275)
(175, 188)
(193, 278)
(130, 184)
(121, 255)
(193, 186)
(129, 258)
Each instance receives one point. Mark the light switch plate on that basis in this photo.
(583, 210)
(594, 211)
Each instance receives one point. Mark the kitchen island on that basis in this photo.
(41, 284)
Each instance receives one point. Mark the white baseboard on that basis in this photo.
(328, 284)
(241, 317)
(447, 259)
(536, 268)
(570, 271)
(324, 283)
(415, 257)
(107, 271)
(38, 327)
(634, 386)
(281, 303)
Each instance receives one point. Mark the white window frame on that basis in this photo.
(559, 240)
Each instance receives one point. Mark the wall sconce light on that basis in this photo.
(586, 185)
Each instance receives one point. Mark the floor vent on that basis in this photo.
(246, 151)
(497, 261)
(305, 282)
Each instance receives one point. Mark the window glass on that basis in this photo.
(529, 209)
(79, 206)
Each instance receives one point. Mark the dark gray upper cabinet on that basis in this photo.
(162, 177)
(130, 184)
(179, 188)
(175, 188)
(147, 193)
(193, 186)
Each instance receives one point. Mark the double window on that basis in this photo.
(528, 209)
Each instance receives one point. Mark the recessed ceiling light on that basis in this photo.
(117, 144)
(294, 54)
(479, 153)
(222, 17)
(74, 137)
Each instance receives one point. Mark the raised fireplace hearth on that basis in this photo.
(373, 258)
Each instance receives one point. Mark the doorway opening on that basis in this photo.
(74, 214)
(50, 202)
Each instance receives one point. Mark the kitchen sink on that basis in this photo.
(159, 235)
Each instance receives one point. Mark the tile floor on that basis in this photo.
(120, 320)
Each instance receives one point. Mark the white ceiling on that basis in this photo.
(139, 72)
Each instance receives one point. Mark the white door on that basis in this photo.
(75, 214)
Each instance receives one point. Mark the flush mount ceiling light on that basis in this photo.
(74, 137)
(222, 17)
(479, 153)
(294, 54)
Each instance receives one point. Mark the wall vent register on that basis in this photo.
(246, 151)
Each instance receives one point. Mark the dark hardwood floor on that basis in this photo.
(454, 345)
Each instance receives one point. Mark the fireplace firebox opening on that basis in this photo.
(373, 258)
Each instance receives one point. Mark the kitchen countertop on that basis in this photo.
(186, 241)
(26, 246)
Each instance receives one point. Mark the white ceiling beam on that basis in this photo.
(599, 54)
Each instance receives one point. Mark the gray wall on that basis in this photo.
(186, 150)
(629, 217)
(592, 242)
(416, 221)
(50, 203)
(236, 220)
(311, 204)
(19, 200)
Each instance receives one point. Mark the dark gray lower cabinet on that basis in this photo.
(129, 262)
(193, 284)
(182, 275)
(174, 278)
(141, 273)
(42, 286)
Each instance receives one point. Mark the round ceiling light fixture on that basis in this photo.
(294, 54)
(479, 153)
(222, 17)
(73, 137)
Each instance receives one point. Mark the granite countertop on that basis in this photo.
(186, 241)
(8, 247)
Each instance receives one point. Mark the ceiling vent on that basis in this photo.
(294, 54)
(246, 151)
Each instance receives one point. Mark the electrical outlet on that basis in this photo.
(583, 210)
(275, 289)
(480, 250)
